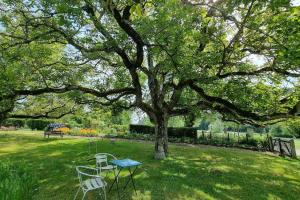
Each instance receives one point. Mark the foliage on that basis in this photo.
(284, 130)
(293, 127)
(18, 181)
(176, 132)
(88, 131)
(37, 124)
(204, 124)
(19, 123)
(166, 58)
(191, 135)
(143, 129)
(83, 132)
(176, 122)
(64, 130)
(120, 128)
(96, 119)
(217, 126)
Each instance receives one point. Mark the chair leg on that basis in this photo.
(77, 192)
(84, 193)
(115, 174)
(104, 192)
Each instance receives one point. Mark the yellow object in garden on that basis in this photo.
(86, 131)
(63, 129)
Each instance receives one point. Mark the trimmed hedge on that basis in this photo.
(182, 132)
(141, 129)
(19, 123)
(38, 124)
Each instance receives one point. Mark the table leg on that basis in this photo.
(131, 178)
(116, 180)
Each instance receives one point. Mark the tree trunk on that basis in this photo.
(161, 138)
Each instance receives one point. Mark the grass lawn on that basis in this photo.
(297, 145)
(189, 173)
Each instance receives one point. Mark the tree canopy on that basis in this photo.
(166, 57)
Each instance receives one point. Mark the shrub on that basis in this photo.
(37, 124)
(182, 132)
(204, 124)
(120, 128)
(19, 123)
(250, 141)
(217, 126)
(88, 132)
(75, 131)
(141, 129)
(284, 135)
(17, 182)
(293, 128)
(64, 130)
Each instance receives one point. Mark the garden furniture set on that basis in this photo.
(94, 178)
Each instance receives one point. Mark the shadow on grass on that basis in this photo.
(189, 173)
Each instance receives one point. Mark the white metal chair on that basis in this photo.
(102, 163)
(90, 181)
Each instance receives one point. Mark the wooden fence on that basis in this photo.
(225, 136)
(285, 147)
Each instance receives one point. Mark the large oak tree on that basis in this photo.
(165, 57)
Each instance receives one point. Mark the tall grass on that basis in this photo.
(17, 182)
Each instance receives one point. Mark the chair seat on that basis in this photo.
(108, 167)
(94, 183)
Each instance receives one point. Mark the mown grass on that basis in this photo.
(188, 173)
(297, 143)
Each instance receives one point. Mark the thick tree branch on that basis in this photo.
(85, 90)
(124, 24)
(258, 72)
(46, 115)
(224, 106)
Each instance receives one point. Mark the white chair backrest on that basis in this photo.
(101, 160)
(80, 174)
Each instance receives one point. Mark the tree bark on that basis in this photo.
(161, 138)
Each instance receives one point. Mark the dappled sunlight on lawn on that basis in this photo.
(188, 173)
(142, 195)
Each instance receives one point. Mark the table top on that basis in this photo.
(125, 163)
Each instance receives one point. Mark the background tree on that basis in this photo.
(166, 58)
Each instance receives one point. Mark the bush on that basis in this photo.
(38, 124)
(19, 123)
(217, 126)
(120, 128)
(250, 141)
(189, 132)
(64, 130)
(141, 129)
(17, 182)
(294, 128)
(284, 135)
(83, 132)
(75, 131)
(182, 132)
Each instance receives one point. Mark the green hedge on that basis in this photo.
(19, 123)
(141, 129)
(17, 182)
(182, 132)
(37, 124)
